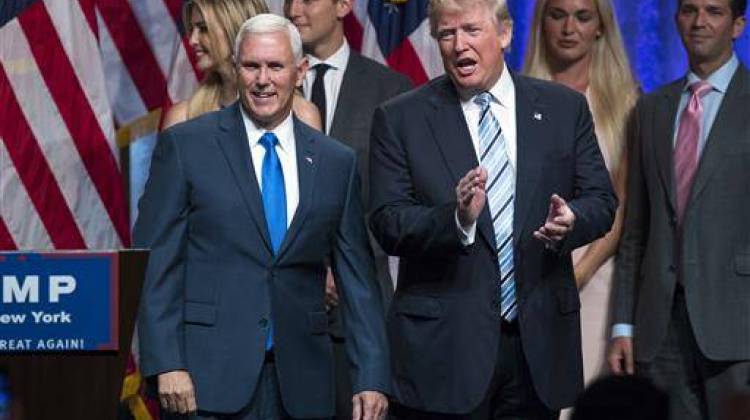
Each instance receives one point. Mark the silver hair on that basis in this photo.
(265, 23)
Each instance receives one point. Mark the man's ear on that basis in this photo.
(302, 70)
(739, 27)
(343, 8)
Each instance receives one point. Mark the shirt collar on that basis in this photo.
(502, 91)
(284, 131)
(719, 79)
(337, 61)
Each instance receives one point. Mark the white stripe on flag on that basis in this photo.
(160, 30)
(370, 46)
(427, 50)
(18, 213)
(55, 141)
(127, 103)
(80, 46)
(277, 6)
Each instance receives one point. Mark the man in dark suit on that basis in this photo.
(243, 209)
(682, 282)
(346, 87)
(482, 182)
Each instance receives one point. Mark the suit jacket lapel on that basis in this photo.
(724, 131)
(665, 113)
(530, 144)
(233, 142)
(307, 164)
(350, 85)
(449, 130)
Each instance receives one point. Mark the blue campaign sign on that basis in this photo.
(58, 301)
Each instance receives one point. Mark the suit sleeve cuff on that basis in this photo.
(467, 236)
(622, 330)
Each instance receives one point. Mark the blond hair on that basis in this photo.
(223, 19)
(498, 8)
(612, 89)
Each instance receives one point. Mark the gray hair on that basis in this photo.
(265, 23)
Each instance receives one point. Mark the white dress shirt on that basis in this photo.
(287, 152)
(503, 107)
(331, 81)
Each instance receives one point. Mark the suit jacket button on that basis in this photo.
(672, 268)
(263, 323)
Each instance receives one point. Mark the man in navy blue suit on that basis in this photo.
(482, 182)
(242, 212)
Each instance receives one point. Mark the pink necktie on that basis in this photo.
(686, 150)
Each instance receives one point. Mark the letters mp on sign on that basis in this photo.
(58, 301)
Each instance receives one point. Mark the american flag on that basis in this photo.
(79, 79)
(72, 72)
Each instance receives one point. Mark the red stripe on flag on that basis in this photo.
(354, 32)
(404, 59)
(78, 115)
(6, 241)
(135, 51)
(175, 9)
(89, 10)
(35, 173)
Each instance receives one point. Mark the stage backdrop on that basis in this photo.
(82, 79)
(656, 53)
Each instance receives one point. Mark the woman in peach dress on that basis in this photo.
(577, 43)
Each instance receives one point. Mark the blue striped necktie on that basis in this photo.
(274, 201)
(501, 187)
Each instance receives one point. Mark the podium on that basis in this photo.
(67, 376)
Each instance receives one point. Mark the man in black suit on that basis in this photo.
(682, 283)
(243, 209)
(346, 87)
(482, 183)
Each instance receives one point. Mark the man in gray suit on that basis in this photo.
(346, 87)
(682, 292)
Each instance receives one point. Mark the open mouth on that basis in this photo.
(466, 66)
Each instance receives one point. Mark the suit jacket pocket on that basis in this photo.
(200, 313)
(568, 300)
(742, 264)
(318, 322)
(418, 306)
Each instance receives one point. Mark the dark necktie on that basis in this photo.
(318, 96)
(274, 201)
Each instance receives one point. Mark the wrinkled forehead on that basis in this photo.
(269, 44)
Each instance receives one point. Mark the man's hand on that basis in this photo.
(620, 356)
(471, 196)
(176, 392)
(369, 405)
(332, 296)
(560, 221)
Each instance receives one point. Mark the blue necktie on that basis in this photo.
(274, 201)
(501, 187)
